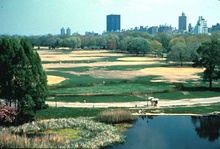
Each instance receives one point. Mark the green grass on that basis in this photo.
(115, 88)
(67, 113)
(194, 110)
(63, 112)
(70, 69)
(134, 67)
(67, 133)
(187, 94)
(82, 79)
(98, 99)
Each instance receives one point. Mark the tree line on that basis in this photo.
(201, 49)
(23, 83)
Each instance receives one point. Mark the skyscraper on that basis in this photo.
(68, 31)
(62, 31)
(201, 26)
(183, 23)
(113, 23)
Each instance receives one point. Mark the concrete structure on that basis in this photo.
(153, 30)
(215, 27)
(165, 29)
(62, 31)
(113, 23)
(183, 23)
(68, 31)
(201, 26)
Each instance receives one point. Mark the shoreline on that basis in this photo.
(168, 114)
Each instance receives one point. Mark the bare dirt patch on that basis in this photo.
(47, 55)
(164, 74)
(54, 79)
(171, 74)
(138, 59)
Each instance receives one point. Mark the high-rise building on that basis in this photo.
(62, 31)
(153, 30)
(216, 27)
(68, 31)
(190, 28)
(201, 26)
(113, 23)
(183, 23)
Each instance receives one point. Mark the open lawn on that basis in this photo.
(101, 71)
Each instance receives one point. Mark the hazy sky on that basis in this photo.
(40, 17)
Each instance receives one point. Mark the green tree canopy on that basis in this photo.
(175, 41)
(179, 53)
(209, 53)
(156, 48)
(139, 45)
(23, 82)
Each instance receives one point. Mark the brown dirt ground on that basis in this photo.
(54, 79)
(171, 74)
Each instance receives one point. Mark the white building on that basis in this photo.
(201, 26)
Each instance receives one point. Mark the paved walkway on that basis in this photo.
(161, 103)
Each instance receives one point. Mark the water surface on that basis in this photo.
(173, 132)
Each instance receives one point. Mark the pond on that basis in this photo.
(173, 132)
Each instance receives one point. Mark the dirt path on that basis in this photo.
(161, 103)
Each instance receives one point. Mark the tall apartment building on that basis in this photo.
(113, 23)
(201, 26)
(183, 23)
(62, 31)
(68, 31)
(216, 27)
(153, 30)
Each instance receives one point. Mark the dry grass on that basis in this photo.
(138, 59)
(165, 74)
(8, 140)
(54, 79)
(115, 116)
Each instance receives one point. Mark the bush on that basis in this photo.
(7, 114)
(115, 116)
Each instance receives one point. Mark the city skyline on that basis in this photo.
(37, 17)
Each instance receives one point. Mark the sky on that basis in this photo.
(41, 17)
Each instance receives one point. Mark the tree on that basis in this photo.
(156, 48)
(164, 38)
(101, 41)
(209, 53)
(112, 41)
(175, 41)
(24, 83)
(139, 45)
(123, 44)
(179, 53)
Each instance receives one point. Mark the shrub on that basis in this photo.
(7, 114)
(115, 116)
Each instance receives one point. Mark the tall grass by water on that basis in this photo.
(115, 116)
(97, 134)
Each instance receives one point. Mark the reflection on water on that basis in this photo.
(173, 132)
(207, 127)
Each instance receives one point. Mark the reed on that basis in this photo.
(115, 116)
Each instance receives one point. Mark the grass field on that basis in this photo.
(102, 72)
